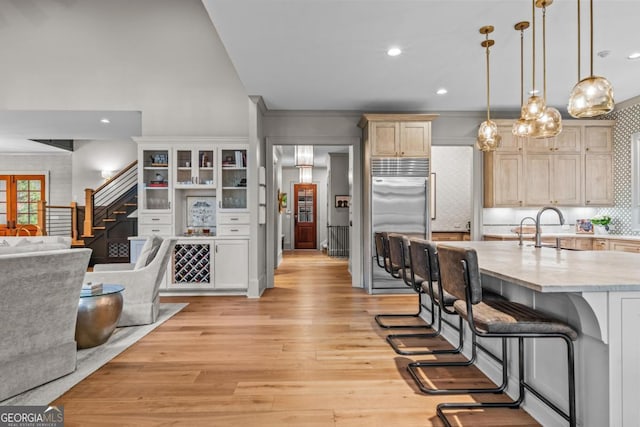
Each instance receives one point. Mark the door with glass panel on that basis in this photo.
(19, 197)
(305, 216)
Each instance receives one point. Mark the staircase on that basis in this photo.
(110, 217)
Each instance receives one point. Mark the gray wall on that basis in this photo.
(338, 184)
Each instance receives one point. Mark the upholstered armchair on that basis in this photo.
(141, 295)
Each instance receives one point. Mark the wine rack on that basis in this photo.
(192, 264)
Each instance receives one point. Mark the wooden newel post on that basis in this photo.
(87, 230)
(74, 221)
(42, 216)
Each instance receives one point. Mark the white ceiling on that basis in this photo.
(331, 54)
(18, 127)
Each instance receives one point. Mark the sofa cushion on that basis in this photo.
(148, 252)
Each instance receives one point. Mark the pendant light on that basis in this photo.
(304, 156)
(592, 96)
(534, 108)
(488, 137)
(550, 123)
(521, 127)
(306, 175)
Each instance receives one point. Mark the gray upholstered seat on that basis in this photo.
(506, 317)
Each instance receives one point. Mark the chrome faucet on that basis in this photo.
(521, 222)
(538, 233)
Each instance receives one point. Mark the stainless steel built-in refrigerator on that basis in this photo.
(399, 204)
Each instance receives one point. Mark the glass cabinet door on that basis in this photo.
(233, 179)
(195, 168)
(155, 180)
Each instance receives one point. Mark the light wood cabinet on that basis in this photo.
(568, 141)
(624, 245)
(598, 179)
(553, 179)
(449, 236)
(574, 168)
(503, 184)
(397, 135)
(600, 245)
(598, 139)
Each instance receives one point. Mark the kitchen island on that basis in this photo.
(598, 293)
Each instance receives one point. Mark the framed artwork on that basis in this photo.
(201, 211)
(584, 226)
(342, 201)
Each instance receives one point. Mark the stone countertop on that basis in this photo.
(565, 235)
(550, 270)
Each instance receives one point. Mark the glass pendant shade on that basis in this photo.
(521, 127)
(591, 97)
(533, 109)
(488, 137)
(547, 126)
(304, 156)
(306, 175)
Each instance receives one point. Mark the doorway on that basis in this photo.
(305, 218)
(19, 197)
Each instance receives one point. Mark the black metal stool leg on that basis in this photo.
(380, 322)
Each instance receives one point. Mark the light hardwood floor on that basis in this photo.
(308, 353)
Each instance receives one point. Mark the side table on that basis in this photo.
(98, 315)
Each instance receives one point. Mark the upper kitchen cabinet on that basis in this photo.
(194, 167)
(575, 168)
(233, 178)
(397, 135)
(568, 141)
(154, 189)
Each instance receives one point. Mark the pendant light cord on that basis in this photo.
(579, 40)
(522, 67)
(488, 86)
(591, 32)
(544, 53)
(533, 59)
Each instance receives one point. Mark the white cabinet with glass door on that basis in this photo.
(232, 184)
(195, 167)
(154, 191)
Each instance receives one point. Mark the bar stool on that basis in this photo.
(501, 319)
(446, 302)
(395, 261)
(423, 263)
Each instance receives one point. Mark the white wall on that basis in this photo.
(161, 57)
(58, 167)
(91, 157)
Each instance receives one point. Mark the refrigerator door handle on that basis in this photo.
(427, 214)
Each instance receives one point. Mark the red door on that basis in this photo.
(305, 216)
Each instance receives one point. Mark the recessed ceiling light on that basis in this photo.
(634, 55)
(394, 51)
(105, 121)
(442, 91)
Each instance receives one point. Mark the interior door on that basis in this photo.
(19, 197)
(305, 216)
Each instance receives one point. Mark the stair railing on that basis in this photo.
(98, 201)
(58, 220)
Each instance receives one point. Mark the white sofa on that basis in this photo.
(38, 309)
(24, 244)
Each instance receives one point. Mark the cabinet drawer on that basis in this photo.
(155, 219)
(233, 230)
(228, 218)
(148, 229)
